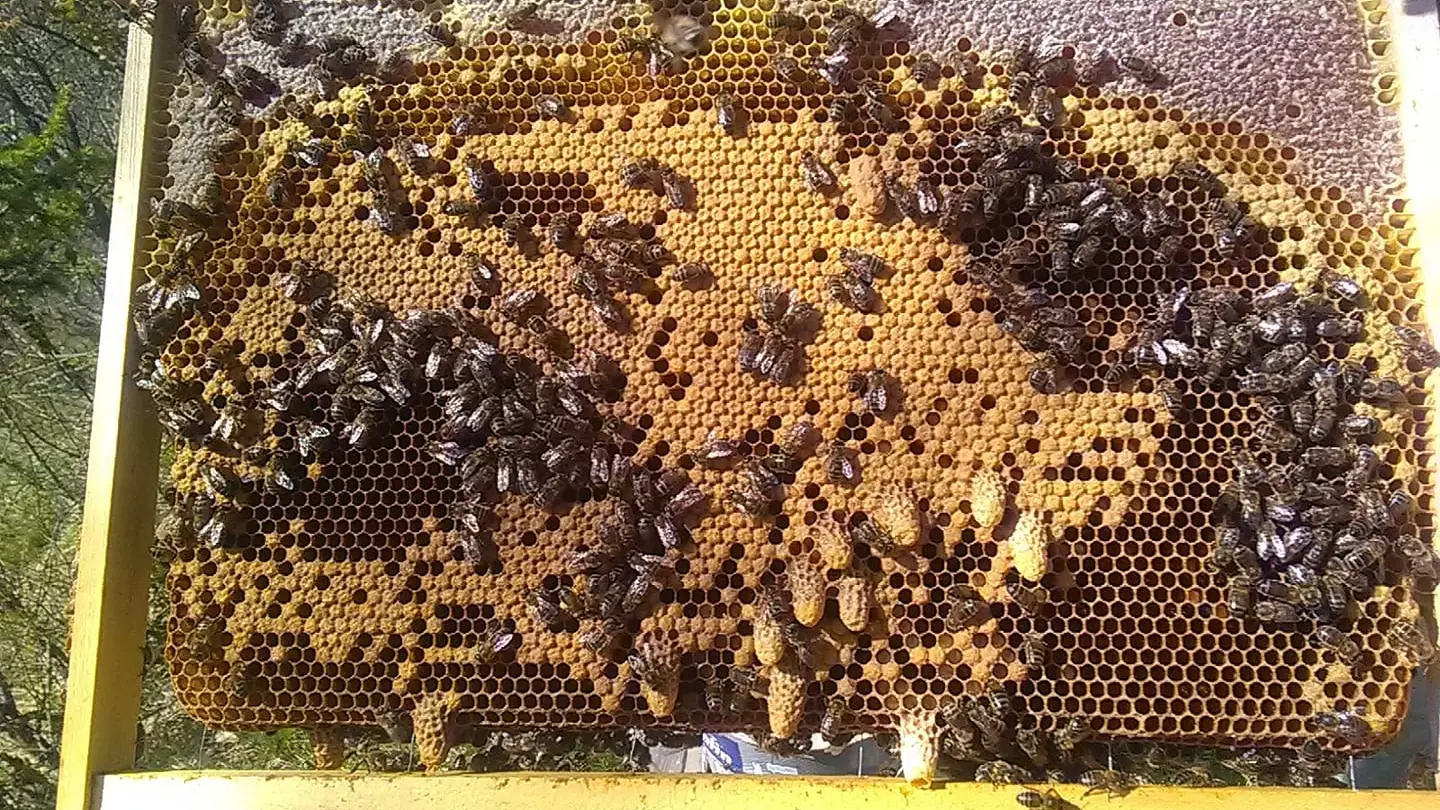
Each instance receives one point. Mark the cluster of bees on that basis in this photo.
(337, 59)
(1301, 538)
(777, 351)
(1305, 533)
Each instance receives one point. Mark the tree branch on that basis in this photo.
(50, 32)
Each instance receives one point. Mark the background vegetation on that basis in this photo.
(61, 65)
(59, 85)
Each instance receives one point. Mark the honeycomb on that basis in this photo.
(352, 599)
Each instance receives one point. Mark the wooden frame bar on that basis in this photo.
(113, 561)
(111, 589)
(527, 791)
(1415, 40)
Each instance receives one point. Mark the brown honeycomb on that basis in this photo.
(350, 601)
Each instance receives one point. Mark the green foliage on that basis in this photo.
(59, 82)
(48, 202)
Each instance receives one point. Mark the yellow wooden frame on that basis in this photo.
(111, 588)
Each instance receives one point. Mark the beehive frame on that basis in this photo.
(110, 601)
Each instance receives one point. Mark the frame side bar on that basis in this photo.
(113, 559)
(240, 790)
(1415, 34)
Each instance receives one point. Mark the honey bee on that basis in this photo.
(1032, 741)
(1419, 559)
(1108, 781)
(837, 715)
(1347, 725)
(600, 638)
(561, 233)
(441, 34)
(341, 57)
(1046, 105)
(726, 114)
(280, 190)
(253, 84)
(692, 275)
(1382, 391)
(841, 465)
(816, 175)
(926, 70)
(1046, 376)
(789, 70)
(1358, 426)
(1071, 734)
(1086, 253)
(1169, 247)
(752, 342)
(524, 16)
(1278, 438)
(1240, 596)
(717, 451)
(965, 606)
(519, 305)
(1274, 612)
(798, 439)
(514, 232)
(496, 641)
(678, 190)
(1408, 638)
(1140, 69)
(778, 358)
(849, 290)
(170, 215)
(902, 197)
(1346, 329)
(1035, 800)
(959, 209)
(927, 198)
(221, 528)
(414, 154)
(641, 173)
(241, 685)
(470, 121)
(1022, 84)
(717, 695)
(1417, 347)
(552, 108)
(780, 19)
(748, 499)
(1035, 653)
(872, 388)
(835, 70)
(1335, 640)
(1000, 772)
(1171, 395)
(867, 267)
(310, 153)
(480, 180)
(997, 119)
(463, 209)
